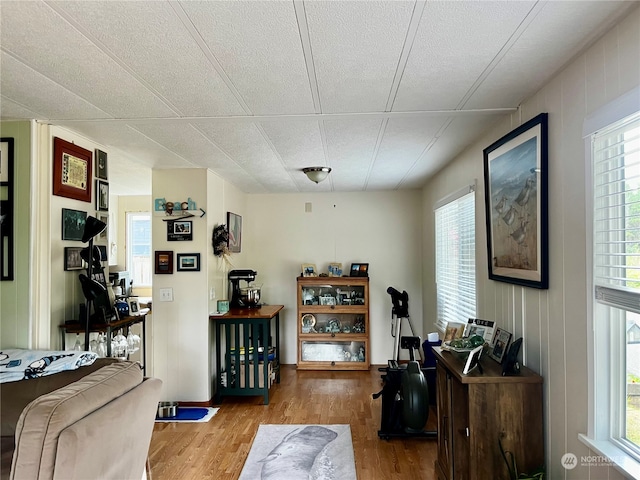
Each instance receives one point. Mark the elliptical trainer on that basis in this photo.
(405, 394)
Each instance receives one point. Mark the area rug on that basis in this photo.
(191, 414)
(291, 452)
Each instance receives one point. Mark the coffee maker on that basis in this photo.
(247, 296)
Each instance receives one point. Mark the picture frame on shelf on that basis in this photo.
(234, 228)
(72, 259)
(473, 361)
(309, 270)
(163, 262)
(484, 328)
(359, 270)
(71, 170)
(134, 306)
(101, 165)
(102, 195)
(73, 224)
(335, 269)
(179, 230)
(188, 262)
(516, 205)
(500, 345)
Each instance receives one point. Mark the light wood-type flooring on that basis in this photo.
(217, 449)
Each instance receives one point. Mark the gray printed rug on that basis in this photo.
(292, 452)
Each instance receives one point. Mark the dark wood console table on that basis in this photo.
(478, 409)
(108, 329)
(246, 351)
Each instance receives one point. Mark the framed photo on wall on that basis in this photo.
(71, 170)
(6, 209)
(164, 262)
(102, 195)
(188, 262)
(179, 230)
(72, 259)
(234, 224)
(515, 181)
(73, 224)
(101, 165)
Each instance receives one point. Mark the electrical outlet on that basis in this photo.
(166, 294)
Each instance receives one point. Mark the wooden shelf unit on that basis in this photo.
(477, 410)
(320, 348)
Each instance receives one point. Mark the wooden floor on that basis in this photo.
(217, 449)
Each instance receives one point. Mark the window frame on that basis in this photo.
(606, 335)
(128, 256)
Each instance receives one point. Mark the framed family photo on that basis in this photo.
(516, 210)
(179, 230)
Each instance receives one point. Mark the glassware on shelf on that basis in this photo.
(133, 342)
(78, 345)
(119, 346)
(93, 345)
(101, 350)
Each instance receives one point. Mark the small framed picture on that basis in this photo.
(335, 269)
(134, 306)
(473, 361)
(164, 262)
(103, 217)
(72, 259)
(328, 300)
(102, 195)
(73, 224)
(188, 262)
(500, 345)
(308, 270)
(101, 164)
(359, 270)
(179, 230)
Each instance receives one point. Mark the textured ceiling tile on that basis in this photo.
(298, 142)
(181, 74)
(50, 98)
(443, 67)
(542, 49)
(36, 31)
(356, 48)
(258, 45)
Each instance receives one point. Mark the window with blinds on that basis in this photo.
(616, 153)
(455, 258)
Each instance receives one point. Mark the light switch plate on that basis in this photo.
(166, 294)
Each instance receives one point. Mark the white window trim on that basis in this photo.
(599, 338)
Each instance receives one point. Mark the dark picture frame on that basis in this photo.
(73, 224)
(500, 344)
(101, 165)
(71, 170)
(6, 209)
(516, 205)
(234, 226)
(188, 262)
(163, 262)
(359, 270)
(72, 259)
(179, 230)
(102, 196)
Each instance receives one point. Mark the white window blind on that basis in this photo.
(456, 260)
(616, 153)
(139, 262)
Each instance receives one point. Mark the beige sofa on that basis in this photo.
(98, 426)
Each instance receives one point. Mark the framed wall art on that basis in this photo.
(103, 217)
(188, 262)
(234, 224)
(101, 165)
(73, 224)
(179, 230)
(102, 195)
(359, 270)
(515, 181)
(164, 262)
(72, 259)
(6, 209)
(71, 170)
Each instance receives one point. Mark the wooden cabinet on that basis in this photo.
(333, 323)
(477, 410)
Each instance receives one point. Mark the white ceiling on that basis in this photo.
(382, 92)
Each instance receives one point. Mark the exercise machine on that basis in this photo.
(405, 393)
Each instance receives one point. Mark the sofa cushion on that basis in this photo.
(42, 421)
(14, 396)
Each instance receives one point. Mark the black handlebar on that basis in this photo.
(400, 302)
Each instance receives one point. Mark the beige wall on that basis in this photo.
(552, 322)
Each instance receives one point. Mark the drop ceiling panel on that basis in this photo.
(356, 48)
(298, 142)
(50, 98)
(443, 67)
(54, 48)
(542, 49)
(181, 74)
(258, 46)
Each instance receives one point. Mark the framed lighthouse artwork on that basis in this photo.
(516, 209)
